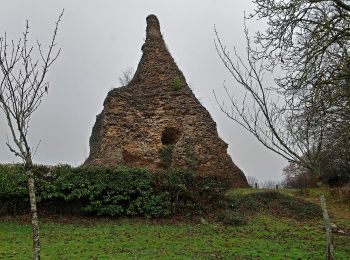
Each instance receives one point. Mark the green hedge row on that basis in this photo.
(109, 191)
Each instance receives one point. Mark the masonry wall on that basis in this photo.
(156, 121)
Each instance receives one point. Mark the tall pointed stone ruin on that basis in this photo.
(156, 122)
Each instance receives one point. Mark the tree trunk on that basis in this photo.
(35, 220)
(328, 227)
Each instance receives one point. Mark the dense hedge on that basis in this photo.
(108, 191)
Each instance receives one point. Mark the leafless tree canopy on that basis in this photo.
(297, 116)
(126, 76)
(310, 41)
(23, 85)
(263, 112)
(252, 181)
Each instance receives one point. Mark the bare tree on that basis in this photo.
(252, 180)
(269, 184)
(265, 113)
(298, 177)
(310, 40)
(22, 88)
(126, 76)
(298, 115)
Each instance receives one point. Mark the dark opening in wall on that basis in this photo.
(170, 135)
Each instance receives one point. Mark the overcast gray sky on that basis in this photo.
(100, 39)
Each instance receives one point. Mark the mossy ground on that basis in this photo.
(264, 237)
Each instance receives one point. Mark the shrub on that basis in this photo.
(151, 205)
(180, 187)
(166, 155)
(95, 190)
(276, 203)
(110, 191)
(232, 218)
(13, 189)
(341, 193)
(177, 84)
(191, 194)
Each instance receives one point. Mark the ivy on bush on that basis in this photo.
(166, 155)
(110, 191)
(13, 189)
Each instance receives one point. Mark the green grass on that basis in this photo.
(265, 237)
(339, 211)
(247, 191)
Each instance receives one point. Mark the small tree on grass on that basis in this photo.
(22, 88)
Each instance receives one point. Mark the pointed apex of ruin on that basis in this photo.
(156, 64)
(153, 27)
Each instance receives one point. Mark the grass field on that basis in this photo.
(265, 237)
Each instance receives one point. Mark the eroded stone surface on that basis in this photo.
(157, 122)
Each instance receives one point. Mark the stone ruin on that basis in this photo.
(156, 122)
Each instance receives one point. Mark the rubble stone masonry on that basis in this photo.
(156, 122)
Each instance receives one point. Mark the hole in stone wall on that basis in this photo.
(170, 135)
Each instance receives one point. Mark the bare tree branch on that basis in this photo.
(22, 88)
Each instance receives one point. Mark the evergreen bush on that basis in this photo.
(112, 191)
